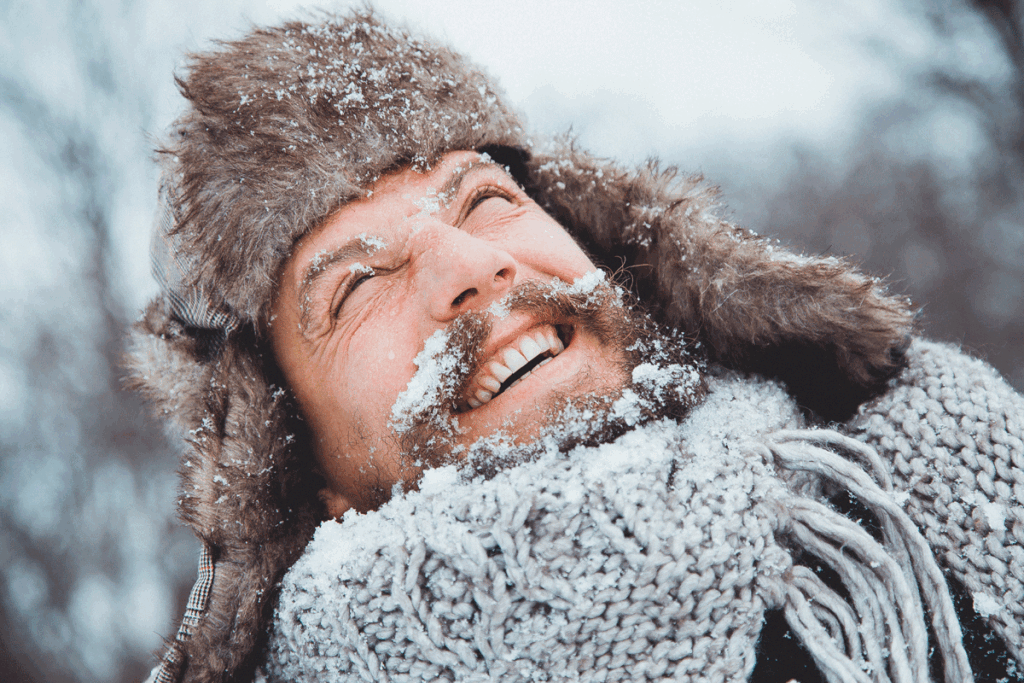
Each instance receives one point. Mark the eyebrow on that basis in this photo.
(452, 185)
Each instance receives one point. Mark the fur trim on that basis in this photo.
(248, 494)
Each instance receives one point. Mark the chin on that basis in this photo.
(555, 370)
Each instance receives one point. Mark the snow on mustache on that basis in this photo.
(448, 375)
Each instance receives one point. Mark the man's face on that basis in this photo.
(360, 297)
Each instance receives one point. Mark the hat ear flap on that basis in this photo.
(637, 223)
(246, 488)
(834, 335)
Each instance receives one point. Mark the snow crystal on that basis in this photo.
(735, 411)
(995, 515)
(985, 605)
(627, 407)
(429, 204)
(586, 284)
(317, 262)
(434, 368)
(651, 375)
(901, 498)
(372, 243)
(436, 480)
(375, 530)
(629, 453)
(499, 308)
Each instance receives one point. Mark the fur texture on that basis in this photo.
(247, 489)
(288, 124)
(833, 334)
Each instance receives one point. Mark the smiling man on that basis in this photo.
(435, 252)
(386, 263)
(386, 313)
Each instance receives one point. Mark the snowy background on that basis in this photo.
(892, 131)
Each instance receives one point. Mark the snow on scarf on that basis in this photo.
(652, 557)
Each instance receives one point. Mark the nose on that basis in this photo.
(464, 273)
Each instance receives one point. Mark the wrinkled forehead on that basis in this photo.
(409, 192)
(419, 183)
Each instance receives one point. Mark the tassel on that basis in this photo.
(880, 634)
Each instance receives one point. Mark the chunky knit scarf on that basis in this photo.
(656, 556)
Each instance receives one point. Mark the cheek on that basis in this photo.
(379, 361)
(550, 250)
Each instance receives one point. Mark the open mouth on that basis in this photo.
(515, 361)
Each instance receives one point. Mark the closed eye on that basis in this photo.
(360, 275)
(480, 196)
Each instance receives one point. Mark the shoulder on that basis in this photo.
(952, 431)
(945, 401)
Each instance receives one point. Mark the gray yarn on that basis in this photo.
(651, 558)
(951, 431)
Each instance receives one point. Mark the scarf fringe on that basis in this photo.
(879, 634)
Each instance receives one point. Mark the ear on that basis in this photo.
(336, 503)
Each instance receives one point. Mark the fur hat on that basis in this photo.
(285, 126)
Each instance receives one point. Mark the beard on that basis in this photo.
(663, 379)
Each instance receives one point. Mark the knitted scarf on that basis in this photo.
(656, 556)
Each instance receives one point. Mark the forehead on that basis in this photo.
(409, 179)
(403, 194)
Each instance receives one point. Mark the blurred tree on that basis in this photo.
(931, 191)
(92, 568)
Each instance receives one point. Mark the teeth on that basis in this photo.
(490, 384)
(544, 341)
(540, 364)
(513, 359)
(529, 348)
(508, 360)
(500, 372)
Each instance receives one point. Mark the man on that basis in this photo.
(369, 271)
(360, 295)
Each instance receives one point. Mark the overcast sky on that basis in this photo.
(679, 71)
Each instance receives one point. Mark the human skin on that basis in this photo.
(360, 295)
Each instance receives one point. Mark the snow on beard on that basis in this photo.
(666, 381)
